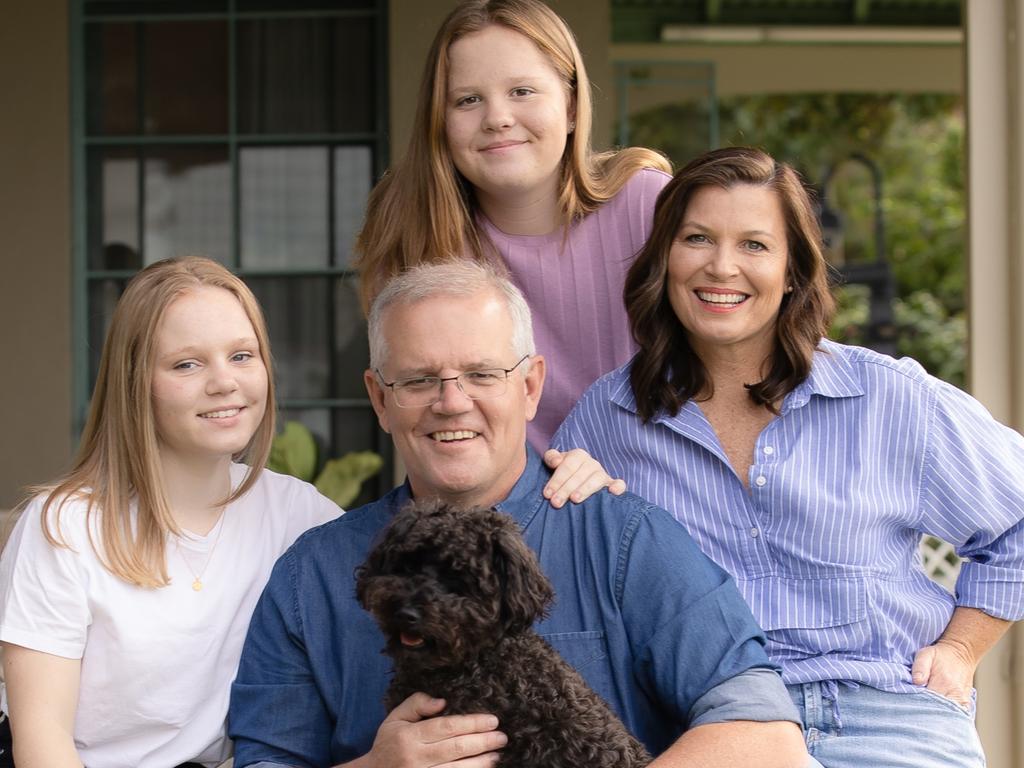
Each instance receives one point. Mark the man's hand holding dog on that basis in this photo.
(413, 737)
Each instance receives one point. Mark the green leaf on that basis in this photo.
(293, 452)
(341, 478)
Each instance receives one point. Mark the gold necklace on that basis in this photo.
(197, 583)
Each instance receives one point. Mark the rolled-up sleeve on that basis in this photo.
(757, 694)
(689, 628)
(973, 497)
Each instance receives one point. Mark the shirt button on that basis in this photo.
(760, 480)
(754, 533)
(768, 450)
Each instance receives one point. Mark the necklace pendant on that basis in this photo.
(197, 585)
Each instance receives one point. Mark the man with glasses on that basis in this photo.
(653, 626)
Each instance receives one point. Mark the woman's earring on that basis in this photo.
(572, 126)
(789, 289)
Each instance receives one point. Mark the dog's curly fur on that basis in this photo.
(456, 592)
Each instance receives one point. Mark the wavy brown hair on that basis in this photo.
(425, 210)
(118, 461)
(667, 372)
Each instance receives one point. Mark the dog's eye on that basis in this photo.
(452, 582)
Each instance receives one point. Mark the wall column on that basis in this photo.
(995, 179)
(35, 219)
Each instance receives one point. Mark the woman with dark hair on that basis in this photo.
(810, 470)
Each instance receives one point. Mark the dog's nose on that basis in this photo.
(407, 616)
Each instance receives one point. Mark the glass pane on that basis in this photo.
(344, 430)
(186, 77)
(103, 296)
(354, 60)
(283, 84)
(284, 206)
(112, 79)
(296, 311)
(353, 176)
(305, 75)
(318, 421)
(356, 429)
(135, 7)
(187, 203)
(317, 333)
(351, 350)
(303, 5)
(113, 217)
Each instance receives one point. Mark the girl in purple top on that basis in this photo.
(500, 166)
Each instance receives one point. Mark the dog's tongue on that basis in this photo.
(410, 641)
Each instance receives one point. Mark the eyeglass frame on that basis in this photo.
(442, 379)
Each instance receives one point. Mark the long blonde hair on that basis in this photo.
(117, 461)
(424, 209)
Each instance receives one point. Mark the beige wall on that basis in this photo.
(35, 252)
(806, 68)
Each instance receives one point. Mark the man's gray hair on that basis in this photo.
(457, 277)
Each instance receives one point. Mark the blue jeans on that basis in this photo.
(855, 726)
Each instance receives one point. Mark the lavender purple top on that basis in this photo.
(574, 289)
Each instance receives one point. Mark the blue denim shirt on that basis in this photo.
(648, 620)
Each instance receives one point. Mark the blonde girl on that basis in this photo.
(128, 584)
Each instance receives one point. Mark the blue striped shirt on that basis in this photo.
(868, 454)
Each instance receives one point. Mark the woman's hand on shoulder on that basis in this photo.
(577, 476)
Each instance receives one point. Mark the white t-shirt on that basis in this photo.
(157, 664)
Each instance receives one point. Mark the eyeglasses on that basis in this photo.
(421, 391)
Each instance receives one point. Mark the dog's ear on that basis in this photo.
(386, 549)
(526, 593)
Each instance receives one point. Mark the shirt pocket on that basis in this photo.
(812, 616)
(587, 653)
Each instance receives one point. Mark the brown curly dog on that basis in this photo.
(456, 593)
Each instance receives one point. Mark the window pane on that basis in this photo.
(187, 203)
(317, 333)
(186, 77)
(353, 176)
(135, 7)
(354, 61)
(343, 430)
(284, 206)
(296, 311)
(305, 75)
(318, 421)
(113, 217)
(103, 296)
(351, 350)
(283, 84)
(303, 5)
(356, 429)
(112, 79)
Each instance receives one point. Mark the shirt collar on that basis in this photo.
(527, 495)
(522, 502)
(832, 375)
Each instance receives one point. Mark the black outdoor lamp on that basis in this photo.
(881, 330)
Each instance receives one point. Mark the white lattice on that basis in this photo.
(940, 561)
